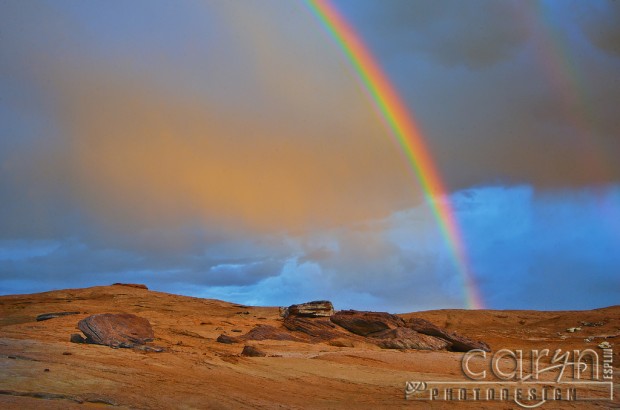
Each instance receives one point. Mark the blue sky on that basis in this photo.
(226, 150)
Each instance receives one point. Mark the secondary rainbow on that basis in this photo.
(564, 73)
(405, 131)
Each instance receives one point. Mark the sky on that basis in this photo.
(228, 150)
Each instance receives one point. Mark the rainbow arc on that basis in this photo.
(406, 132)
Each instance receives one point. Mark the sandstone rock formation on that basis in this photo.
(226, 339)
(457, 342)
(116, 330)
(406, 338)
(252, 351)
(267, 332)
(311, 318)
(48, 316)
(317, 328)
(366, 323)
(317, 308)
(197, 371)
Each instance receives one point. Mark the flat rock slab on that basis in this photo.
(317, 308)
(318, 328)
(267, 332)
(48, 316)
(405, 338)
(457, 342)
(116, 329)
(365, 323)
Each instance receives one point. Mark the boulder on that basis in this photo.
(405, 338)
(116, 330)
(366, 323)
(252, 351)
(226, 339)
(458, 343)
(267, 332)
(317, 308)
(317, 328)
(48, 316)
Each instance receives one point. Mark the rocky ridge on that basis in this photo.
(330, 368)
(311, 322)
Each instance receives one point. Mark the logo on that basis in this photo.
(528, 379)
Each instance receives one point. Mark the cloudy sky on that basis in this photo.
(227, 150)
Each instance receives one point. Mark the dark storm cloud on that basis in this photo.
(601, 23)
(71, 263)
(504, 91)
(474, 34)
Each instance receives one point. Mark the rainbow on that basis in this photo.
(404, 129)
(562, 71)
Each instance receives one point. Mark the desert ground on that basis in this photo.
(41, 368)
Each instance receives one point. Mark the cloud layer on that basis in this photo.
(528, 249)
